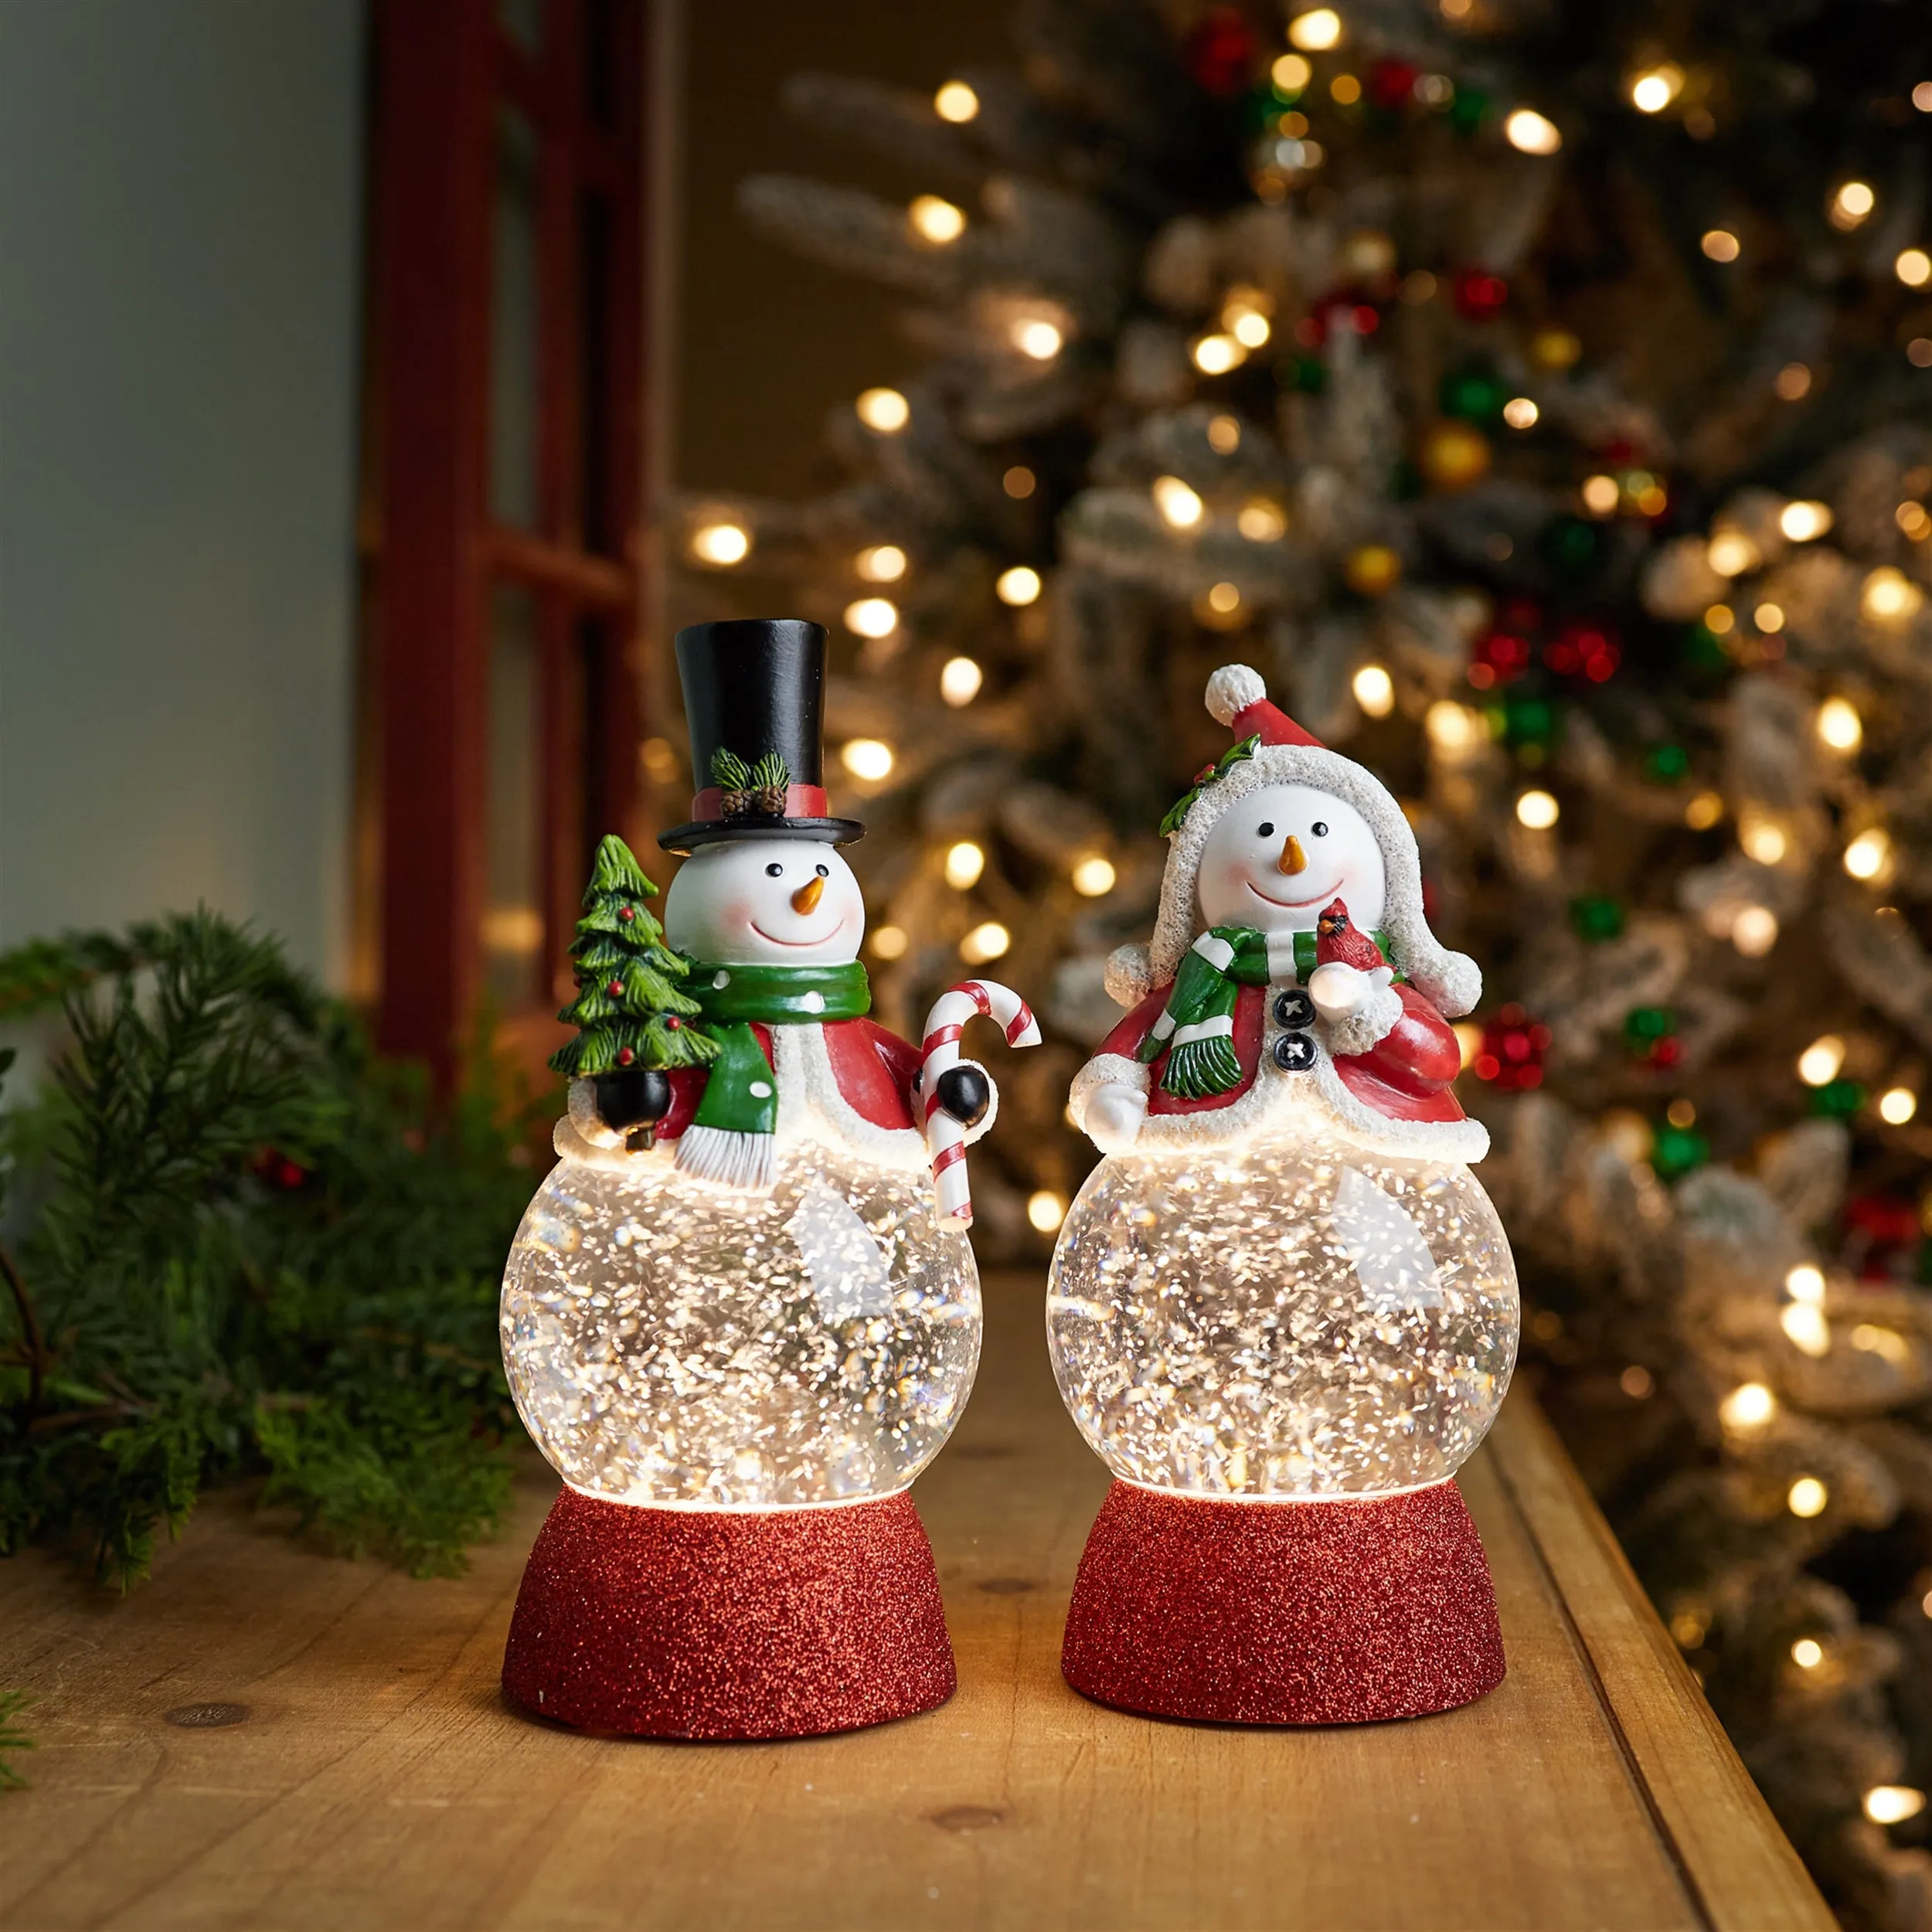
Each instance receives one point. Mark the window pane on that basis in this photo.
(522, 20)
(514, 326)
(513, 936)
(601, 60)
(593, 374)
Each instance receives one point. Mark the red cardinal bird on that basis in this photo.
(1338, 940)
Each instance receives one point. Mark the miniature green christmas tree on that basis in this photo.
(630, 1010)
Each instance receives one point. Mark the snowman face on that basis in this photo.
(766, 902)
(1273, 861)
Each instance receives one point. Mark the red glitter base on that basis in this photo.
(703, 1623)
(1287, 1612)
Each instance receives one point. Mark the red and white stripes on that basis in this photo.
(945, 1138)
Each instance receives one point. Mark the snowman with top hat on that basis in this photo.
(735, 1318)
(1282, 1310)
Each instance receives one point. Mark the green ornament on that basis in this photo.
(1704, 652)
(1839, 1100)
(1570, 544)
(1474, 393)
(1262, 109)
(1308, 375)
(1529, 724)
(1667, 764)
(1596, 916)
(1677, 1151)
(1644, 1026)
(1468, 110)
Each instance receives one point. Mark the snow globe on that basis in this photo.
(1282, 1310)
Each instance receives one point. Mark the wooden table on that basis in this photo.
(376, 1779)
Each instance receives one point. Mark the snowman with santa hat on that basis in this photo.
(1282, 1310)
(741, 1313)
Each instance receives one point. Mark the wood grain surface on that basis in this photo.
(374, 1779)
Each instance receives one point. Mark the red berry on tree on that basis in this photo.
(672, 1022)
(615, 989)
(625, 1057)
(627, 913)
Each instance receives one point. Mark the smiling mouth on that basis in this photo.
(831, 932)
(1297, 905)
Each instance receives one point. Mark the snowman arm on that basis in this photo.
(1105, 1069)
(1360, 1009)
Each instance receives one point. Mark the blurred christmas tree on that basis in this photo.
(1536, 392)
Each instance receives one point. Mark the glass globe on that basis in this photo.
(1286, 1319)
(671, 1342)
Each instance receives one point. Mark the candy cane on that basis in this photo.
(945, 1138)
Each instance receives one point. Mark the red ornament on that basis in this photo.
(1501, 658)
(627, 913)
(1584, 649)
(1221, 53)
(1479, 295)
(1668, 1053)
(615, 989)
(625, 1057)
(1392, 84)
(1511, 1057)
(672, 1022)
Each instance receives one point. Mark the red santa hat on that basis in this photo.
(1284, 754)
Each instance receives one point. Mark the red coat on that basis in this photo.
(1407, 1075)
(874, 1069)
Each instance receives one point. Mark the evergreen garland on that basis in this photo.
(244, 1247)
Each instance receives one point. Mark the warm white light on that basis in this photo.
(1754, 931)
(1291, 73)
(1532, 132)
(1601, 494)
(1248, 326)
(1224, 434)
(1093, 877)
(1538, 810)
(965, 863)
(1819, 1065)
(1805, 1328)
(1652, 92)
(890, 942)
(960, 680)
(1802, 521)
(1887, 1343)
(1176, 503)
(1806, 1497)
(1922, 96)
(869, 758)
(1019, 585)
(1045, 1210)
(1749, 1406)
(1852, 204)
(1806, 1283)
(883, 409)
(1913, 267)
(1520, 413)
(883, 563)
(1720, 620)
(1897, 1105)
(723, 544)
(1375, 690)
(1040, 339)
(936, 220)
(1720, 245)
(956, 102)
(1764, 840)
(1452, 726)
(1316, 31)
(1730, 554)
(1215, 355)
(1224, 598)
(1259, 521)
(985, 942)
(1703, 811)
(871, 617)
(1769, 618)
(1893, 1803)
(1889, 596)
(1911, 518)
(1868, 854)
(1793, 382)
(1808, 1653)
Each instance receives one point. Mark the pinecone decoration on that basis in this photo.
(759, 789)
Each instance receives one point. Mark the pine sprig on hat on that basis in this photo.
(1235, 754)
(630, 1010)
(762, 787)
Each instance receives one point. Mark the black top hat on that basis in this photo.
(754, 698)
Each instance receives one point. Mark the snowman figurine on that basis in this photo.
(1281, 1310)
(732, 1320)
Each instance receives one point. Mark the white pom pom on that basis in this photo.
(1231, 690)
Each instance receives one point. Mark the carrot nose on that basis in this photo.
(806, 897)
(1293, 859)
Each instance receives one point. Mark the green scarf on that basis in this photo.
(730, 1136)
(1197, 1026)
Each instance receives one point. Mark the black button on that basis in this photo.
(1295, 1053)
(1294, 1008)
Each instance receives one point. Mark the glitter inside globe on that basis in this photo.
(671, 1342)
(1290, 1319)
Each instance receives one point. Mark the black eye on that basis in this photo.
(774, 872)
(824, 871)
(1319, 830)
(1266, 831)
